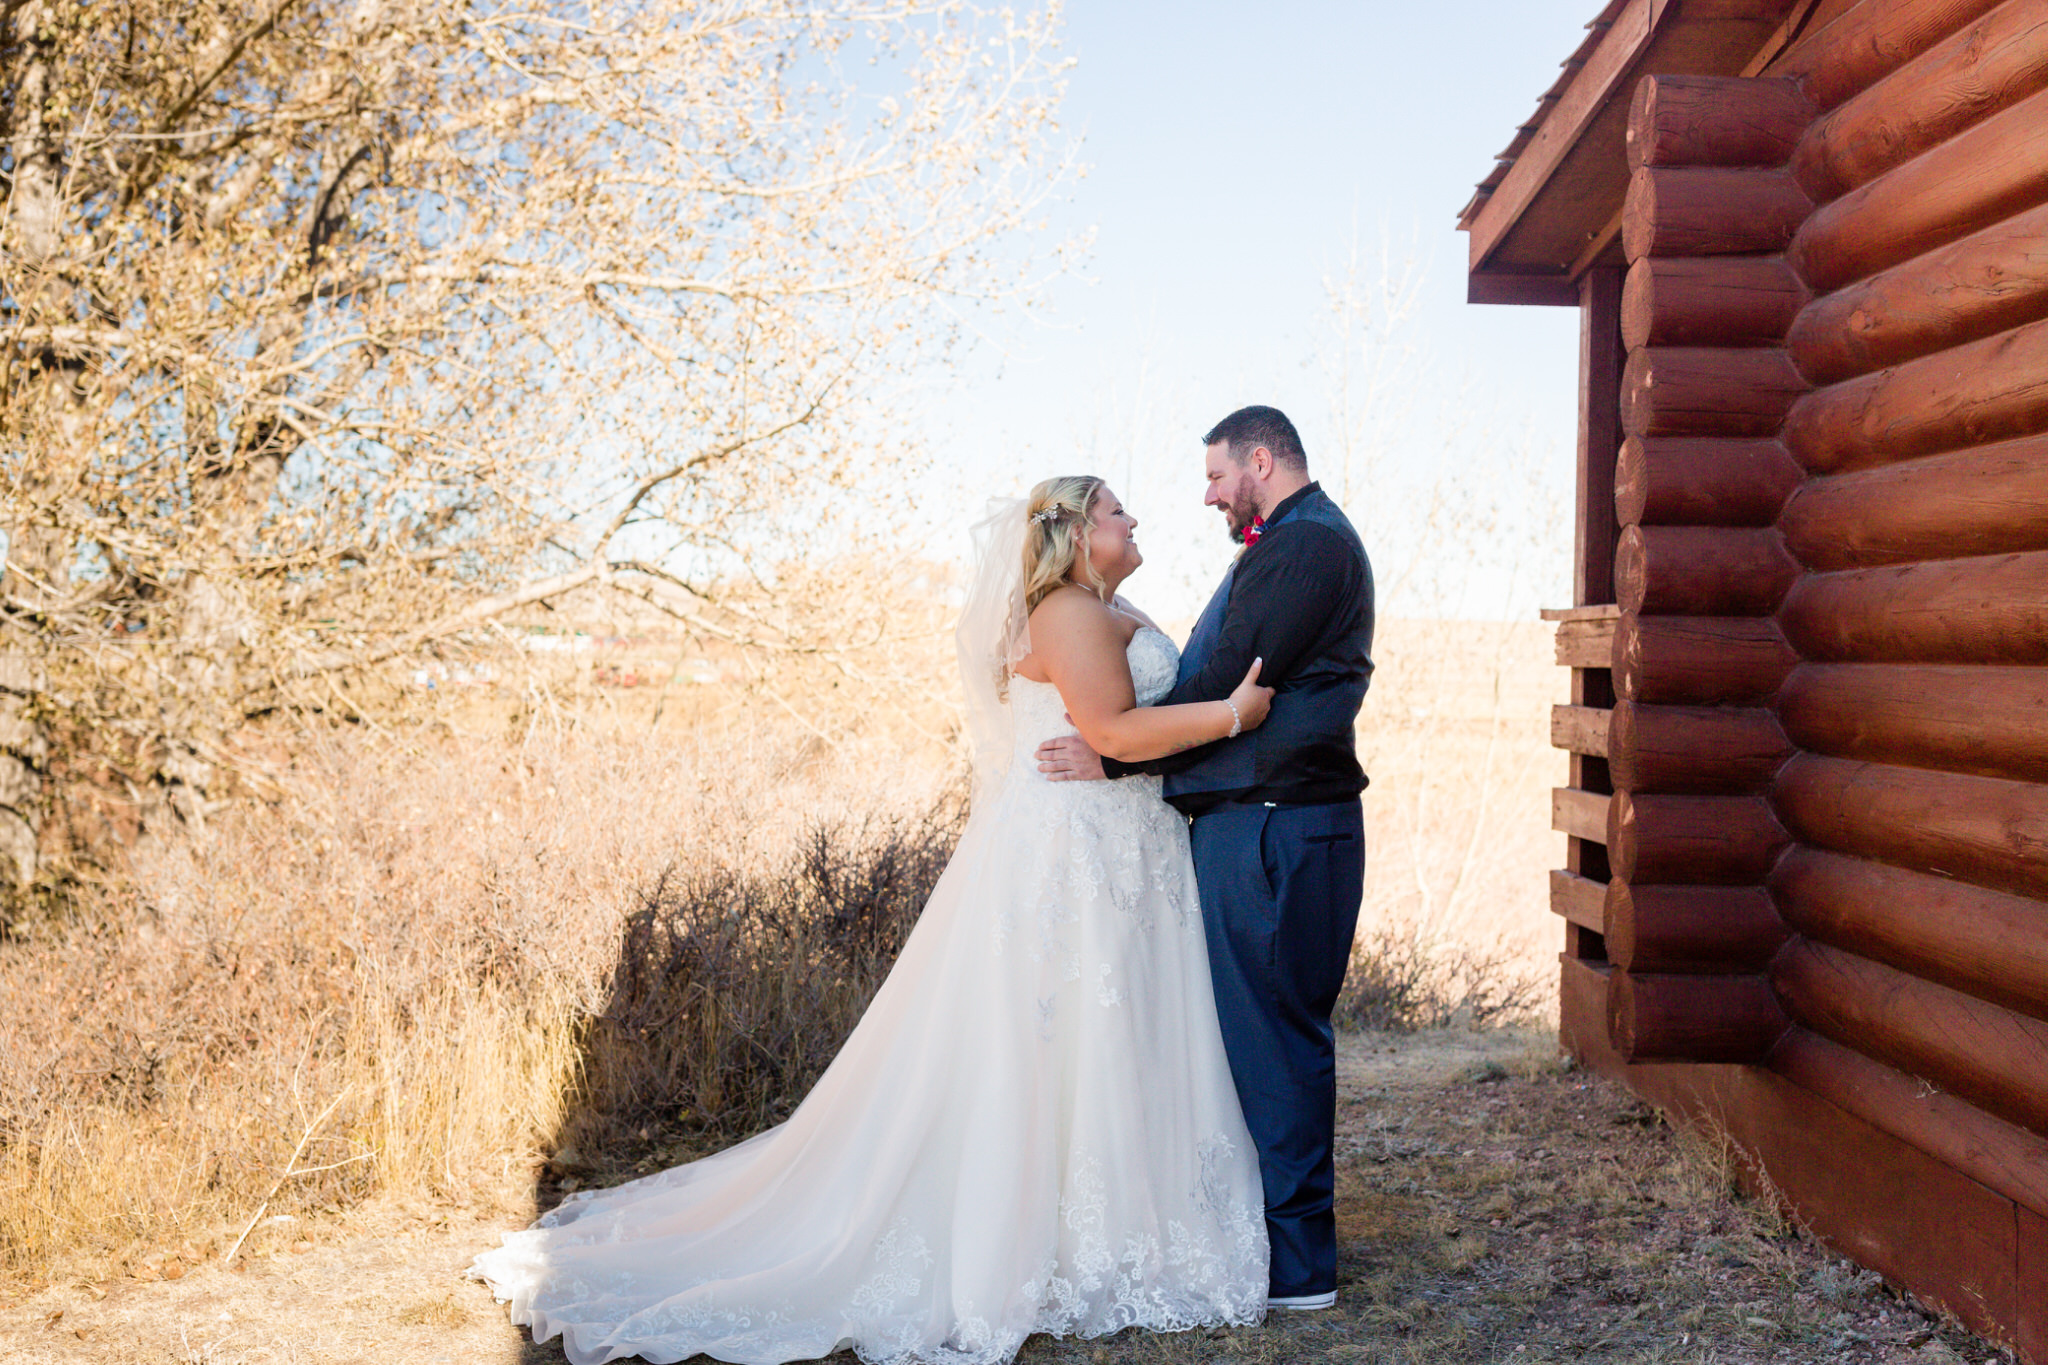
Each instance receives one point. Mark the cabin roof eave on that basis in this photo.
(1552, 205)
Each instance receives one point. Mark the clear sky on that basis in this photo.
(1237, 155)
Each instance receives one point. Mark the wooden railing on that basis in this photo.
(1585, 635)
(1585, 641)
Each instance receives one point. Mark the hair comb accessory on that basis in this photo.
(1045, 514)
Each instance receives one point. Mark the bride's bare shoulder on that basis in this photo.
(1071, 611)
(1071, 622)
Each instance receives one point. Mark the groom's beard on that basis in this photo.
(1241, 512)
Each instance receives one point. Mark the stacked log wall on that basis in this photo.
(1828, 834)
(1917, 886)
(1701, 567)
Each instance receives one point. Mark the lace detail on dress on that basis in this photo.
(902, 1257)
(1123, 843)
(1032, 1129)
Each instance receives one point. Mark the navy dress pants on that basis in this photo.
(1280, 888)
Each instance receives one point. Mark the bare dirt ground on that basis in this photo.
(1493, 1204)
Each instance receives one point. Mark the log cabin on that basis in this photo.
(1805, 892)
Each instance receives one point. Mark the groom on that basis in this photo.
(1279, 839)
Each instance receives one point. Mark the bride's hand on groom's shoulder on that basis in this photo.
(1069, 759)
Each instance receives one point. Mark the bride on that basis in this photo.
(1033, 1128)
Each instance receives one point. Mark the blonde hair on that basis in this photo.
(1056, 540)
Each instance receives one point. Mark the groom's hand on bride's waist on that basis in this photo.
(1069, 759)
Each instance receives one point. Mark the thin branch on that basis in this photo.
(291, 1171)
(655, 480)
(226, 60)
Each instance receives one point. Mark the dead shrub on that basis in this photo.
(429, 961)
(1403, 981)
(735, 987)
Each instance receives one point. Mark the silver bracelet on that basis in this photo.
(1236, 721)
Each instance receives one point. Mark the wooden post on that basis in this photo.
(1692, 746)
(1600, 366)
(1595, 535)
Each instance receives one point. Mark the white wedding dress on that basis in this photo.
(1032, 1129)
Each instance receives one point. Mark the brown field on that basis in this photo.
(599, 910)
(1456, 739)
(1493, 1206)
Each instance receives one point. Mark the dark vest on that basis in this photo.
(1317, 704)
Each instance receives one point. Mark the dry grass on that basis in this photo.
(1492, 1207)
(563, 928)
(427, 970)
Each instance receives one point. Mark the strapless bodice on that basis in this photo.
(1038, 714)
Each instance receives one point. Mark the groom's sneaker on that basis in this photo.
(1304, 1303)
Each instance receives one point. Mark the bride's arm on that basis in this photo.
(1081, 647)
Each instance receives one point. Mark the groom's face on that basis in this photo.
(1233, 488)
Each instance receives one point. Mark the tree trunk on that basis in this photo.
(38, 565)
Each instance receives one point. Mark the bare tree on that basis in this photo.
(332, 329)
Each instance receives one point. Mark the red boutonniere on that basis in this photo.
(1254, 531)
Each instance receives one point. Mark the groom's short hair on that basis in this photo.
(1249, 428)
